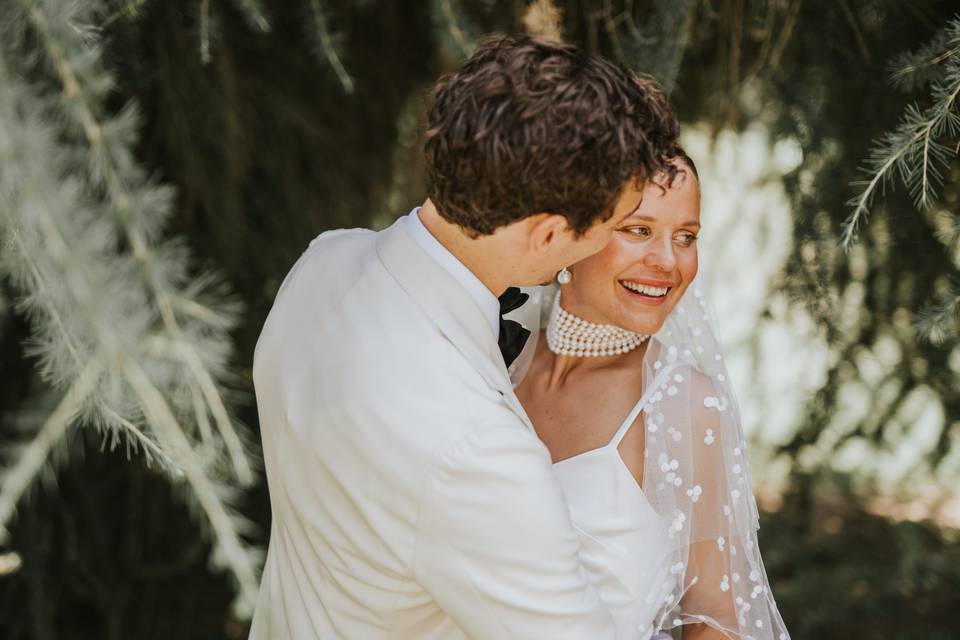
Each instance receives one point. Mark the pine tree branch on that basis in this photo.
(862, 208)
(910, 69)
(130, 10)
(914, 69)
(150, 448)
(214, 401)
(230, 551)
(203, 419)
(786, 33)
(83, 110)
(55, 316)
(253, 13)
(64, 255)
(204, 9)
(31, 458)
(914, 137)
(456, 33)
(656, 47)
(327, 47)
(933, 126)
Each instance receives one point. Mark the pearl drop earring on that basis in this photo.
(564, 276)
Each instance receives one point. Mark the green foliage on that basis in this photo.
(327, 43)
(841, 572)
(919, 149)
(138, 345)
(655, 46)
(455, 30)
(917, 153)
(253, 13)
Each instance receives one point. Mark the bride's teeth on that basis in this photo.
(655, 292)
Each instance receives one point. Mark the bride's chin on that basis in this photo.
(642, 318)
(647, 329)
(642, 323)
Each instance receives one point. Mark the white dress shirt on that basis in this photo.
(484, 298)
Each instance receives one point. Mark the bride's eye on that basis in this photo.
(686, 238)
(642, 232)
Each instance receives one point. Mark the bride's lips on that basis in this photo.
(650, 292)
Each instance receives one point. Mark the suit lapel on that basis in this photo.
(448, 305)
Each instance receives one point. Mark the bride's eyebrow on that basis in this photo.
(636, 216)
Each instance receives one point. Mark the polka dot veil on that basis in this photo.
(696, 478)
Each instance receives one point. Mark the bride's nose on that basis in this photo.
(661, 255)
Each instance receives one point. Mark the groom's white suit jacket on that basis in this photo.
(411, 497)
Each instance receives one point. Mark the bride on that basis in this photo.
(629, 392)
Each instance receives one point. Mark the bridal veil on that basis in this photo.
(695, 477)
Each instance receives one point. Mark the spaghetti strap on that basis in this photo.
(637, 408)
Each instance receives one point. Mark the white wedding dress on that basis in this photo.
(625, 545)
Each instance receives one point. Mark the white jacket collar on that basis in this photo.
(445, 301)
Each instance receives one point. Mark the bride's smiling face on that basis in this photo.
(637, 280)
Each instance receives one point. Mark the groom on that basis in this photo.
(411, 497)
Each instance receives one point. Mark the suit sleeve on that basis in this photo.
(495, 545)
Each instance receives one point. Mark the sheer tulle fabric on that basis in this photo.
(695, 477)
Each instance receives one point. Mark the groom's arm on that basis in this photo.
(496, 548)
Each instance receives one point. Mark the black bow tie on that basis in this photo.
(512, 334)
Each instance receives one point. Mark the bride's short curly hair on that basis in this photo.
(527, 126)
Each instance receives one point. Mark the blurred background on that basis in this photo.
(163, 164)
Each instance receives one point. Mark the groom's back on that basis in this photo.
(357, 392)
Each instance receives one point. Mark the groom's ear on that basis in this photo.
(544, 231)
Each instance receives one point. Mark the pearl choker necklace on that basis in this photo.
(568, 335)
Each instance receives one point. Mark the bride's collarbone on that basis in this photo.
(584, 413)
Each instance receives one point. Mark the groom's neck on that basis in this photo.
(487, 257)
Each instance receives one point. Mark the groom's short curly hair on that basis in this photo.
(528, 126)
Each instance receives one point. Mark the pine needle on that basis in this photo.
(918, 151)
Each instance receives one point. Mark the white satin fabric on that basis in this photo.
(625, 546)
